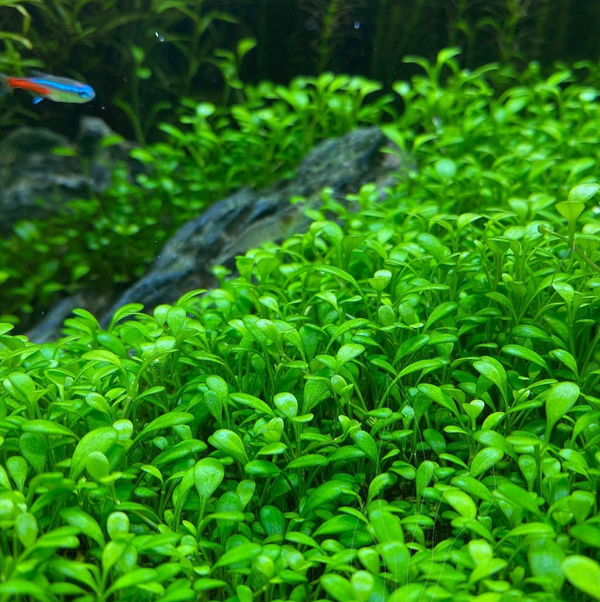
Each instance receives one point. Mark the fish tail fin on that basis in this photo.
(4, 86)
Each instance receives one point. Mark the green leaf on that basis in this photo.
(461, 502)
(493, 370)
(532, 528)
(582, 193)
(438, 251)
(411, 346)
(587, 533)
(527, 331)
(583, 573)
(26, 528)
(97, 465)
(525, 354)
(229, 442)
(136, 577)
(308, 461)
(565, 290)
(102, 356)
(208, 475)
(324, 494)
(561, 398)
(484, 460)
(487, 569)
(46, 427)
(566, 358)
(338, 273)
(34, 449)
(100, 439)
(287, 404)
(87, 524)
(365, 442)
(385, 526)
(411, 592)
(183, 449)
(396, 557)
(301, 538)
(347, 326)
(421, 365)
(423, 478)
(337, 587)
(261, 468)
(252, 402)
(21, 587)
(438, 395)
(363, 584)
(176, 317)
(379, 483)
(206, 584)
(167, 421)
(117, 525)
(272, 520)
(341, 523)
(316, 391)
(440, 312)
(445, 168)
(241, 554)
(473, 487)
(348, 352)
(519, 496)
(545, 557)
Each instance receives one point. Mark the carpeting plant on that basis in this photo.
(108, 241)
(401, 404)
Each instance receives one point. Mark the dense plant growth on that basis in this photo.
(143, 55)
(108, 241)
(401, 404)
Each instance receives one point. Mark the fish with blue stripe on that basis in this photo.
(42, 85)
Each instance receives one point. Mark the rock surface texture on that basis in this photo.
(246, 219)
(35, 180)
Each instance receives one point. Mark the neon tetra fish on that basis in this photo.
(42, 85)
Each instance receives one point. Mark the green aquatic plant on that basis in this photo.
(332, 22)
(93, 40)
(401, 403)
(210, 152)
(15, 22)
(155, 49)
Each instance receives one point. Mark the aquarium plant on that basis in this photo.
(400, 404)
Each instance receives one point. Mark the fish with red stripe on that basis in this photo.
(42, 85)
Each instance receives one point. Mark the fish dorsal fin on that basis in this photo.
(41, 74)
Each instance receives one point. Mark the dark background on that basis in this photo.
(93, 39)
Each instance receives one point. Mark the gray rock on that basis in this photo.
(35, 182)
(249, 217)
(245, 220)
(49, 328)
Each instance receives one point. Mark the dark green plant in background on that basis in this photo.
(144, 55)
(333, 23)
(400, 404)
(141, 55)
(15, 22)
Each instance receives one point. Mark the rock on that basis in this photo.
(49, 328)
(249, 217)
(35, 181)
(245, 220)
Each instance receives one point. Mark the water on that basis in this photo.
(299, 300)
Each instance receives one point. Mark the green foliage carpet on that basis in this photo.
(400, 405)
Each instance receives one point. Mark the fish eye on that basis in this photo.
(83, 93)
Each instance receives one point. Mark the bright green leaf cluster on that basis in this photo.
(404, 406)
